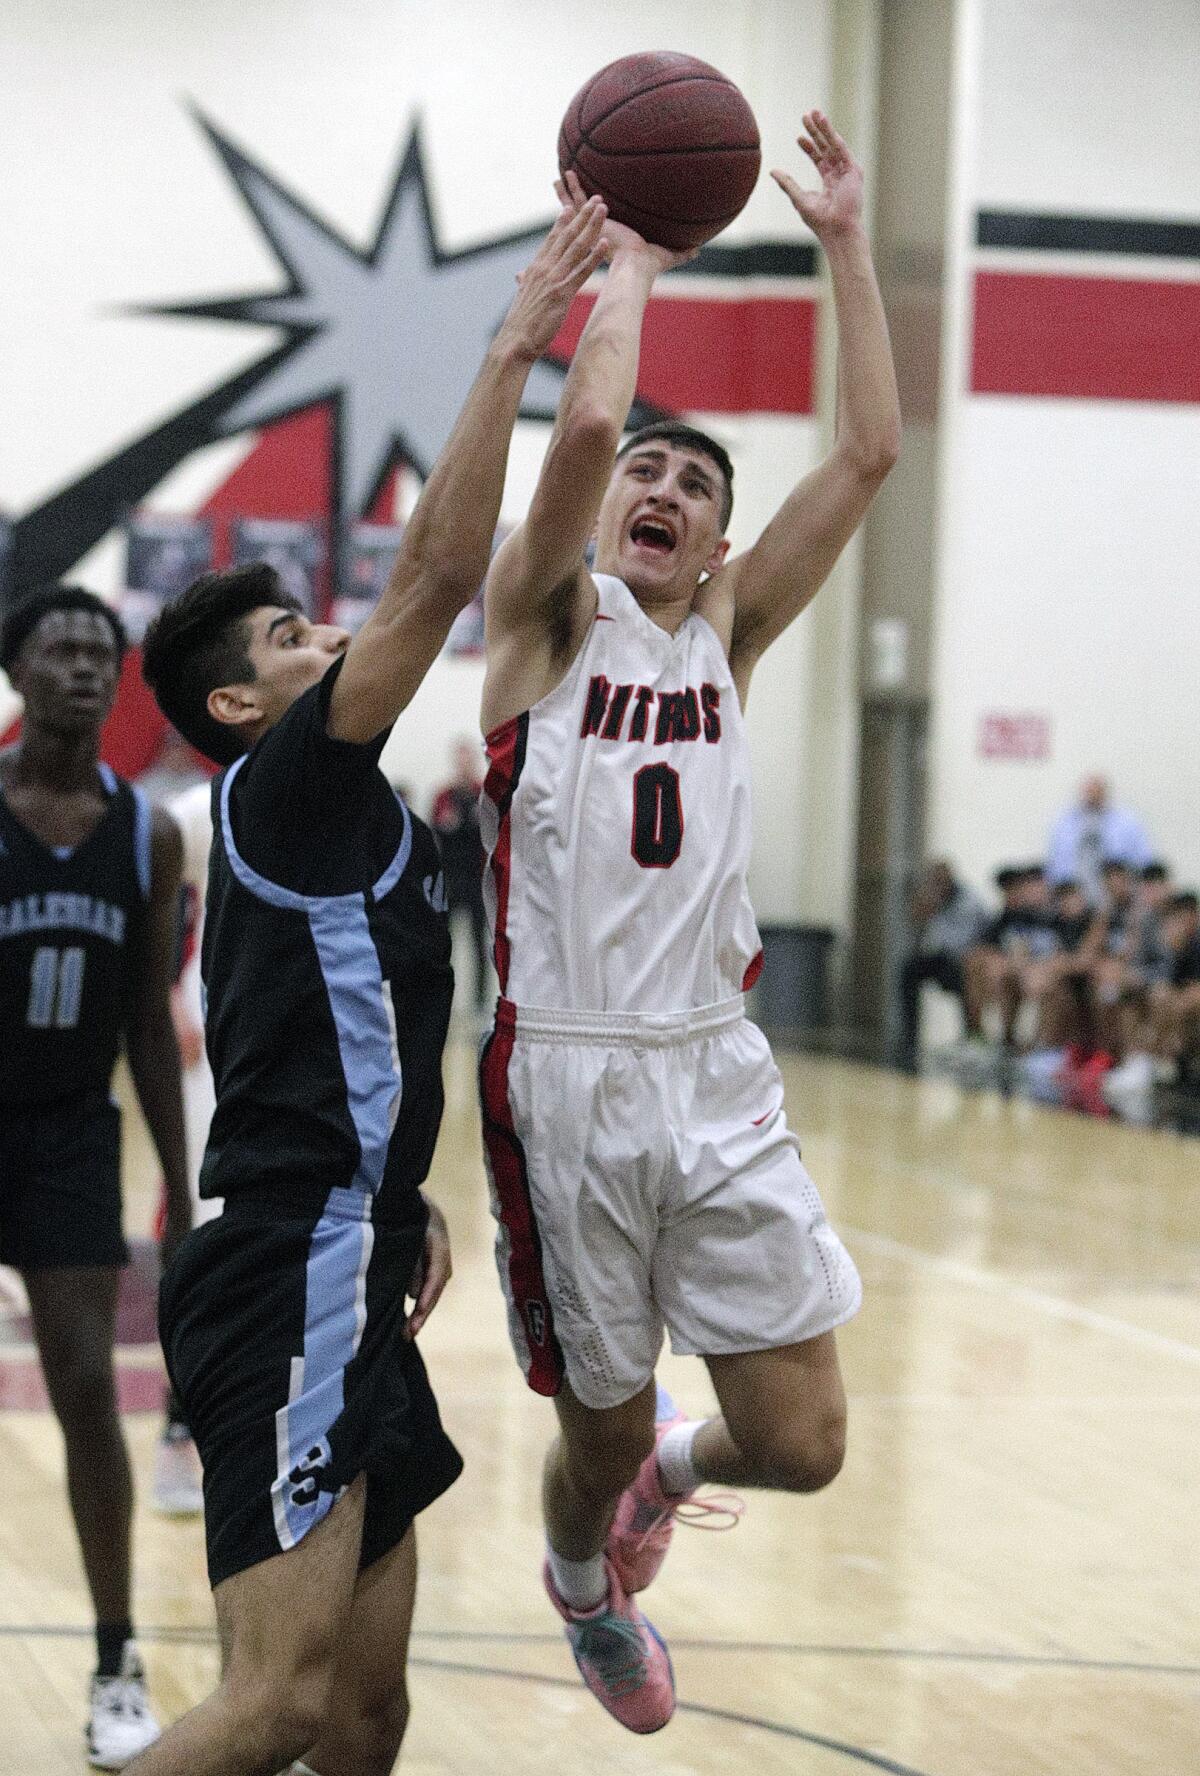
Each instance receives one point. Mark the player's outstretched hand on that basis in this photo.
(837, 207)
(432, 1273)
(566, 259)
(619, 238)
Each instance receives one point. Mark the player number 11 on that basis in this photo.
(55, 988)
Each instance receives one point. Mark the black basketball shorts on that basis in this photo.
(60, 1184)
(283, 1331)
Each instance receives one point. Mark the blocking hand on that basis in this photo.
(837, 207)
(566, 259)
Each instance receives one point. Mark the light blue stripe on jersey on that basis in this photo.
(273, 894)
(358, 995)
(334, 1318)
(141, 838)
(360, 1002)
(335, 1286)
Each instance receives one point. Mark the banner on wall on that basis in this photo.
(163, 555)
(294, 547)
(370, 552)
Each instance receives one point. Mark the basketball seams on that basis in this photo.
(684, 153)
(664, 174)
(712, 77)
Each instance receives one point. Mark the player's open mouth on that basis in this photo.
(653, 534)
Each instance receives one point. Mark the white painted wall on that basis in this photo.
(112, 197)
(1069, 562)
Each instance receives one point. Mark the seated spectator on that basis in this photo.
(1021, 933)
(1116, 982)
(1151, 956)
(1057, 983)
(948, 919)
(1087, 833)
(1178, 1002)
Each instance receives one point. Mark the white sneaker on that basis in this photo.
(1134, 1078)
(120, 1723)
(178, 1489)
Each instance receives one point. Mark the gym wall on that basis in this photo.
(115, 199)
(1065, 555)
(1069, 556)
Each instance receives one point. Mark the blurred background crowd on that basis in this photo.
(1080, 980)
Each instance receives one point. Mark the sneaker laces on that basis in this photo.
(714, 1511)
(614, 1648)
(122, 1695)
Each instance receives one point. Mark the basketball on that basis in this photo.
(668, 142)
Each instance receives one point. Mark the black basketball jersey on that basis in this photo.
(67, 919)
(326, 968)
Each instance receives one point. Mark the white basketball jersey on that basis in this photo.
(616, 817)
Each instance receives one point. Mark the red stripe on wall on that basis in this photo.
(1099, 339)
(707, 355)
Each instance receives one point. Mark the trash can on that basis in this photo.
(792, 992)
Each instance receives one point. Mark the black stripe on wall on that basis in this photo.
(1088, 234)
(755, 259)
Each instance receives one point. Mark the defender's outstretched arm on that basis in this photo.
(772, 582)
(444, 553)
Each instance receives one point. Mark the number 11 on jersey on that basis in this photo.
(55, 988)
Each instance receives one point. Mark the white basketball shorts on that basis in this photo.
(643, 1177)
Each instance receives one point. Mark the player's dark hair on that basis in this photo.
(1112, 865)
(686, 437)
(1186, 901)
(1008, 876)
(24, 618)
(1062, 889)
(200, 641)
(1156, 872)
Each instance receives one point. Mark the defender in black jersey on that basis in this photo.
(89, 880)
(326, 968)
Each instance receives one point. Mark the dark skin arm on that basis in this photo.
(150, 1041)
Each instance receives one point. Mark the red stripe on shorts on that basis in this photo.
(753, 970)
(506, 1155)
(506, 758)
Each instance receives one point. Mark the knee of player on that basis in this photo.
(804, 1458)
(286, 1707)
(374, 1737)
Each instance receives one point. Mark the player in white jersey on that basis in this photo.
(643, 1173)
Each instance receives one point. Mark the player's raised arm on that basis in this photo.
(772, 582)
(446, 544)
(539, 597)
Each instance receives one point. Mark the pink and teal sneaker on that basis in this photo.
(621, 1658)
(646, 1515)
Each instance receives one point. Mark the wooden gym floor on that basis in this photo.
(1002, 1582)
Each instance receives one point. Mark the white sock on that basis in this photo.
(676, 1468)
(302, 1770)
(582, 1584)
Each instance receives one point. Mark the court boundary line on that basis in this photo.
(857, 1753)
(196, 1634)
(1054, 1306)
